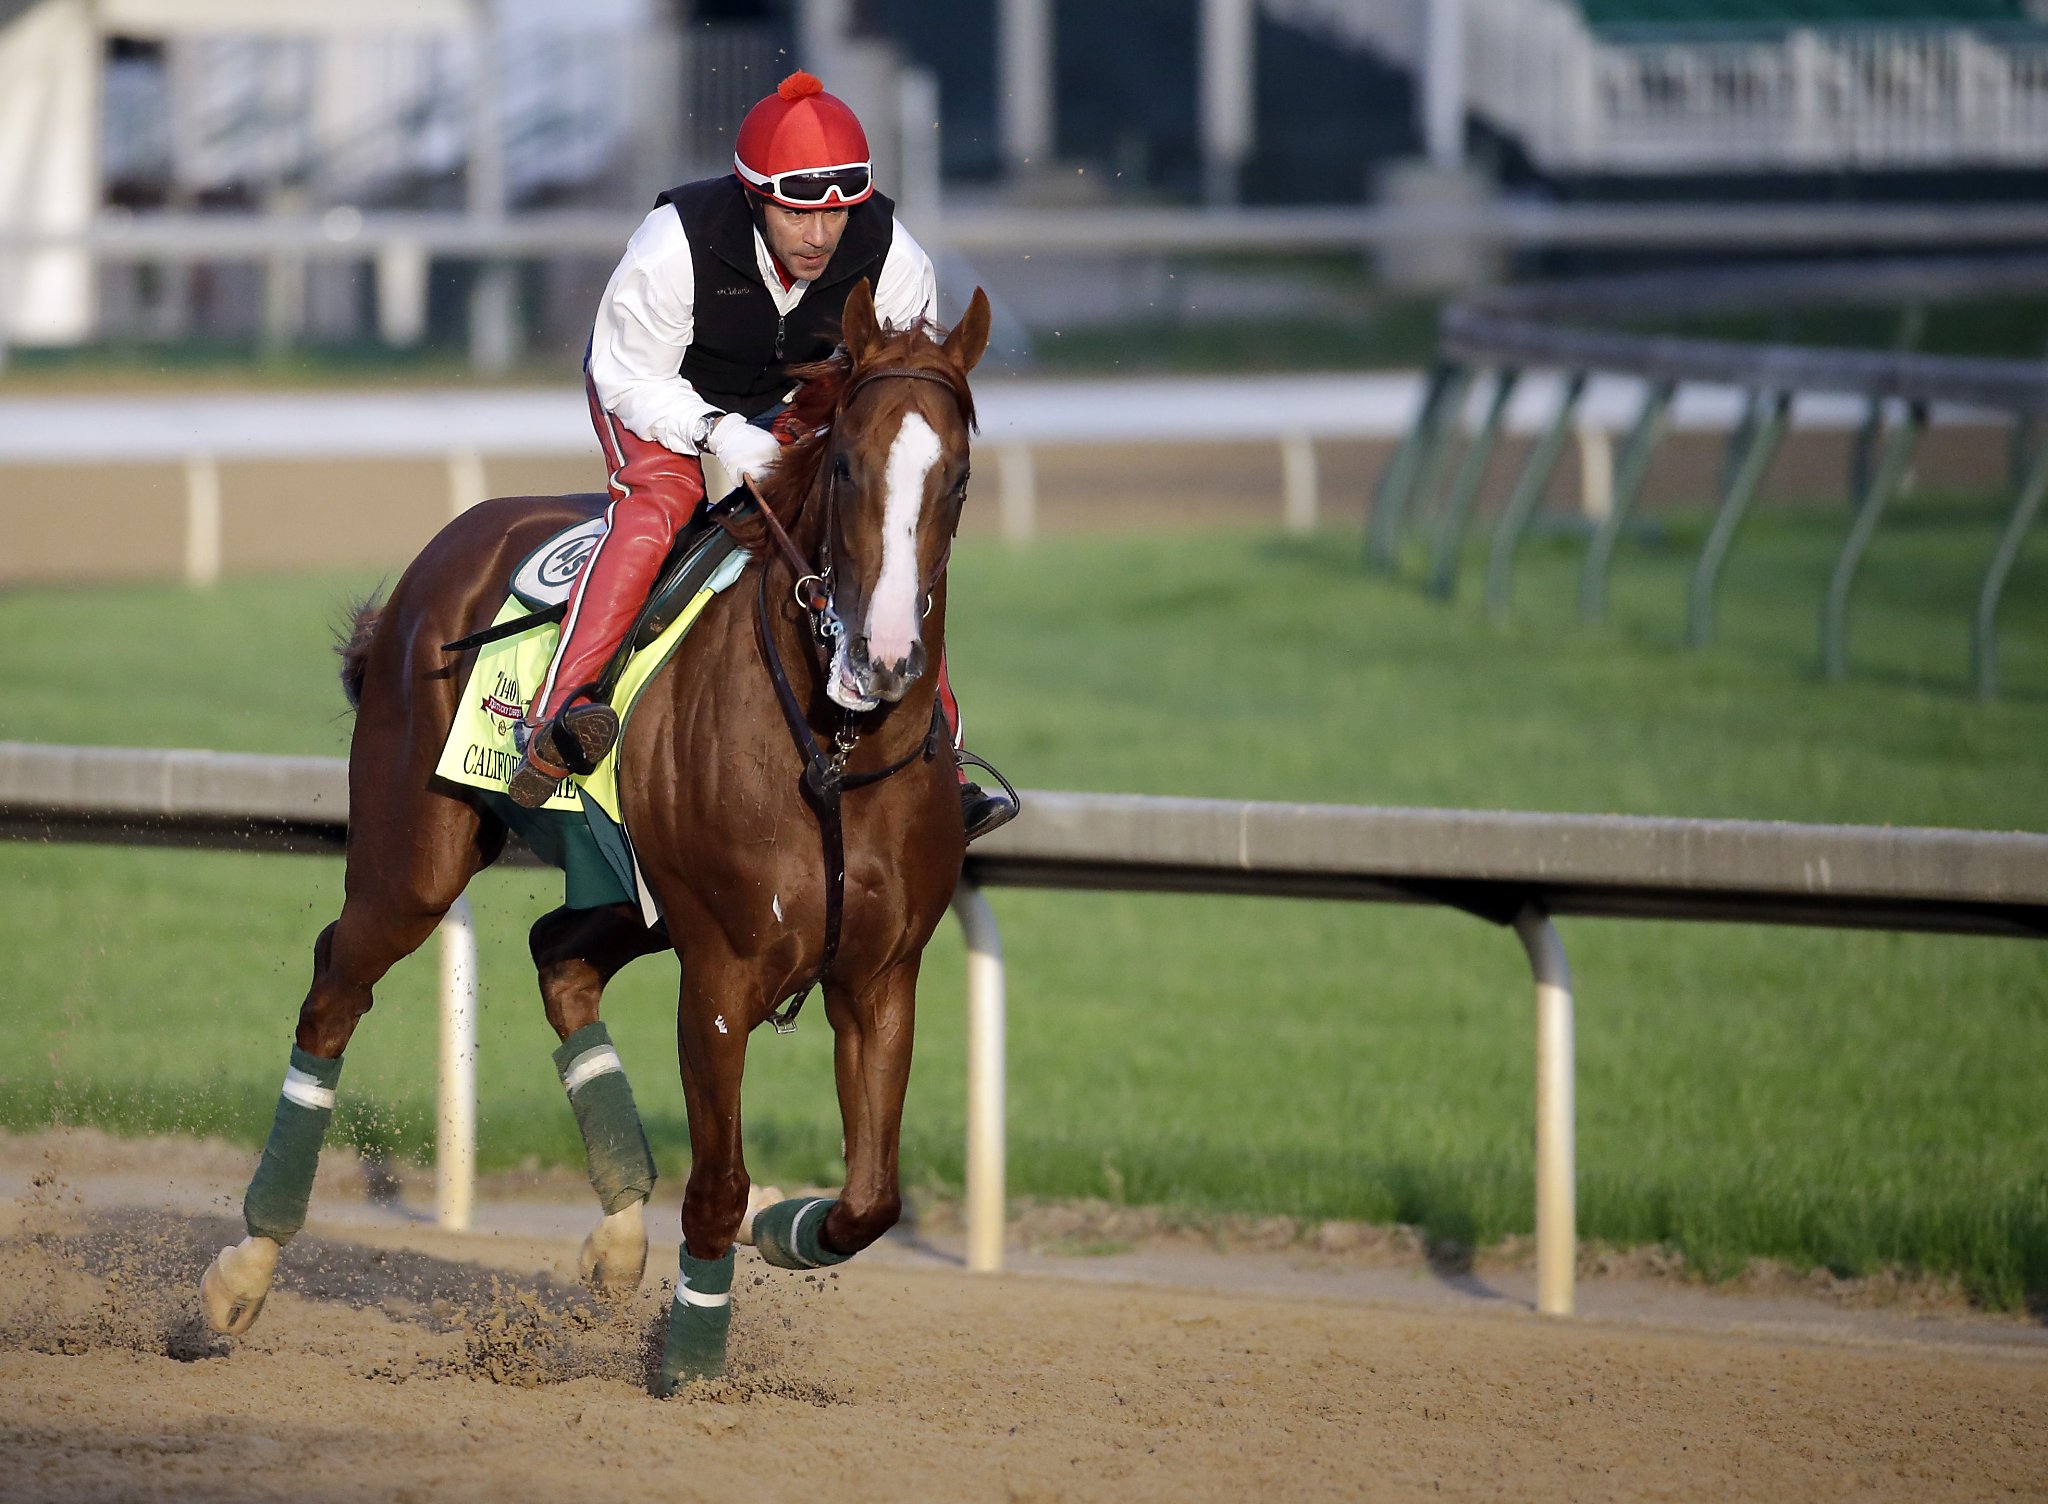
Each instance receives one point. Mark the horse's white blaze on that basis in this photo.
(894, 609)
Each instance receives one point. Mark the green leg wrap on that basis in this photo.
(276, 1204)
(697, 1323)
(614, 1143)
(787, 1234)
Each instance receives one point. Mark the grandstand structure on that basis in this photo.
(1729, 86)
(496, 108)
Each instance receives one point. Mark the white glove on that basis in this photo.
(742, 448)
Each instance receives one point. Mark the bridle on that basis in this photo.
(825, 777)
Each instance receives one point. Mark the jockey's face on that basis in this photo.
(803, 240)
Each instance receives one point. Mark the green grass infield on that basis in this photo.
(1848, 1100)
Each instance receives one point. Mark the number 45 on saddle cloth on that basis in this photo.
(579, 830)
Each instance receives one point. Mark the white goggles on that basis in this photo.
(813, 187)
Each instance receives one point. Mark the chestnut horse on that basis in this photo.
(741, 757)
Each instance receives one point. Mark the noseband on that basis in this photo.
(825, 777)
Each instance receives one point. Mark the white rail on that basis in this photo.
(1514, 869)
(460, 428)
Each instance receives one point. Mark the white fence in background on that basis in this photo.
(461, 428)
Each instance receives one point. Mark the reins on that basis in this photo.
(825, 778)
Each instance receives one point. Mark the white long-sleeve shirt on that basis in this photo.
(647, 320)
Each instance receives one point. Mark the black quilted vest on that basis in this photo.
(742, 346)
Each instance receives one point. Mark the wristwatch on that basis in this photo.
(700, 431)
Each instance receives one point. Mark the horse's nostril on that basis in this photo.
(914, 664)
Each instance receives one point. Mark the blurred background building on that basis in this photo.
(407, 173)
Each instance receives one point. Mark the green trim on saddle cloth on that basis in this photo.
(275, 1206)
(789, 1234)
(698, 1322)
(614, 1144)
(580, 830)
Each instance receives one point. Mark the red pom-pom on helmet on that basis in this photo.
(804, 149)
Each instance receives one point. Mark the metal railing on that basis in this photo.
(1492, 340)
(1508, 868)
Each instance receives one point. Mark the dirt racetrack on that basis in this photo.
(399, 1362)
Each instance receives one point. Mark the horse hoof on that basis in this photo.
(614, 1256)
(759, 1199)
(236, 1283)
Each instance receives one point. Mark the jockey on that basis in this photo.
(726, 284)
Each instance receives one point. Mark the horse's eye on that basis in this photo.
(840, 468)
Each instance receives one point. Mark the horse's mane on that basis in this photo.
(815, 409)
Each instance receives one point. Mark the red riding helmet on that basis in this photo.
(803, 148)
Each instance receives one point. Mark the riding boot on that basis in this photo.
(573, 742)
(980, 810)
(983, 810)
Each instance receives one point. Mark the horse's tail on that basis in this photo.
(352, 642)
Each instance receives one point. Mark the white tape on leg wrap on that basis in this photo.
(593, 1062)
(685, 1296)
(307, 1091)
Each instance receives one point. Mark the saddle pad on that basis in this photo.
(550, 570)
(479, 752)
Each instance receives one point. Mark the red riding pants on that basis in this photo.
(654, 493)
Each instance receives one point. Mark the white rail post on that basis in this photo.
(1596, 472)
(455, 1140)
(467, 485)
(202, 520)
(1556, 1194)
(985, 1008)
(1017, 482)
(1298, 484)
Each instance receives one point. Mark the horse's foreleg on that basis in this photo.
(871, 1060)
(577, 951)
(711, 1040)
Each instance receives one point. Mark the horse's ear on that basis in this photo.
(969, 340)
(857, 322)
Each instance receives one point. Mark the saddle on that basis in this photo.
(544, 580)
(581, 829)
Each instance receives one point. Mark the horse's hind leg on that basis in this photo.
(405, 869)
(575, 952)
